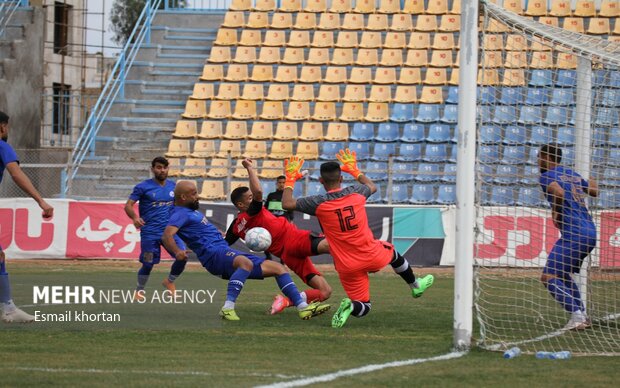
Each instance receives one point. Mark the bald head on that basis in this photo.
(186, 195)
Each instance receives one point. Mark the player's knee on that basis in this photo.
(544, 278)
(244, 263)
(146, 268)
(323, 247)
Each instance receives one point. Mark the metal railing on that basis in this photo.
(7, 9)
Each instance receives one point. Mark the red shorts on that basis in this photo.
(296, 254)
(355, 280)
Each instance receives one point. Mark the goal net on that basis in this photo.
(541, 84)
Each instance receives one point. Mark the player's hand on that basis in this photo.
(181, 255)
(138, 223)
(48, 210)
(247, 163)
(348, 159)
(292, 170)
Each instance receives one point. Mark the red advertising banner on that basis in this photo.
(610, 239)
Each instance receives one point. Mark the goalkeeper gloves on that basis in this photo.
(349, 162)
(292, 171)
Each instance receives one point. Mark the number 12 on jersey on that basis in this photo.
(345, 216)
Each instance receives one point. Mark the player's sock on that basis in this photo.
(563, 294)
(6, 301)
(360, 309)
(235, 284)
(576, 294)
(403, 269)
(229, 305)
(313, 295)
(143, 276)
(289, 289)
(176, 270)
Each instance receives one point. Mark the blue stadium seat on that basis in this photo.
(423, 194)
(452, 151)
(435, 153)
(438, 133)
(502, 196)
(599, 137)
(598, 156)
(402, 113)
(557, 115)
(611, 98)
(530, 175)
(453, 95)
(606, 117)
(486, 95)
(614, 137)
(409, 152)
(490, 134)
(450, 114)
(607, 77)
(562, 97)
(537, 96)
(487, 172)
(449, 173)
(376, 197)
(446, 194)
(506, 174)
(568, 156)
(362, 132)
(566, 79)
(540, 77)
(608, 199)
(511, 96)
(530, 115)
(387, 132)
(514, 135)
(614, 157)
(566, 136)
(413, 133)
(427, 113)
(267, 186)
(530, 196)
(611, 177)
(532, 158)
(539, 135)
(314, 168)
(383, 151)
(315, 188)
(329, 149)
(400, 193)
(614, 77)
(488, 153)
(376, 171)
(402, 172)
(455, 136)
(428, 172)
(504, 114)
(362, 149)
(298, 190)
(513, 155)
(484, 114)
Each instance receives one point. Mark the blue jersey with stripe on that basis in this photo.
(198, 233)
(155, 204)
(7, 155)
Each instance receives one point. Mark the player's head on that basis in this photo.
(186, 195)
(280, 181)
(4, 126)
(331, 176)
(242, 198)
(549, 156)
(159, 168)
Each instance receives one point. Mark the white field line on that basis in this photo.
(364, 369)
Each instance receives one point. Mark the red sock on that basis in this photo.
(313, 295)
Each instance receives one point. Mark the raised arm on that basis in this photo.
(292, 171)
(349, 165)
(255, 187)
(168, 239)
(25, 184)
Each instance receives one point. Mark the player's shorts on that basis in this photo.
(567, 255)
(150, 249)
(298, 248)
(355, 280)
(219, 262)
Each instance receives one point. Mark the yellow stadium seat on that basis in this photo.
(377, 112)
(241, 5)
(549, 21)
(324, 111)
(406, 94)
(513, 77)
(492, 59)
(299, 38)
(443, 41)
(380, 93)
(454, 77)
(431, 95)
(262, 73)
(185, 129)
(560, 8)
(385, 75)
(599, 26)
(212, 73)
(342, 57)
(311, 131)
(272, 110)
(347, 39)
(273, 38)
(290, 6)
(229, 147)
(436, 76)
(271, 169)
(254, 149)
(264, 5)
(426, 23)
(335, 75)
(341, 6)
(540, 45)
(310, 74)
(261, 130)
(174, 167)
(389, 6)
(419, 40)
(329, 92)
(496, 26)
(210, 130)
(450, 23)
(317, 6)
(233, 19)
(226, 37)
(236, 130)
(303, 92)
(516, 42)
(516, 60)
(318, 56)
(281, 150)
(541, 60)
(245, 55)
(269, 55)
(286, 130)
(178, 148)
(488, 77)
(228, 91)
(417, 58)
(281, 21)
(194, 168)
(237, 73)
(566, 61)
(202, 91)
(286, 74)
(456, 7)
(293, 56)
(437, 7)
(277, 92)
(337, 132)
(377, 22)
(219, 168)
(536, 8)
(617, 27)
(212, 190)
(367, 57)
(410, 76)
(203, 149)
(329, 21)
(371, 39)
(305, 21)
(240, 172)
(391, 57)
(493, 42)
(515, 6)
(220, 54)
(354, 93)
(236, 184)
(245, 110)
(414, 7)
(361, 75)
(441, 58)
(298, 111)
(323, 39)
(308, 150)
(252, 92)
(574, 24)
(352, 111)
(257, 20)
(401, 22)
(585, 9)
(195, 109)
(364, 6)
(610, 9)
(395, 40)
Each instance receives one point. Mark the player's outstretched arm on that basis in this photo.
(348, 159)
(24, 183)
(168, 239)
(592, 187)
(292, 171)
(138, 222)
(255, 187)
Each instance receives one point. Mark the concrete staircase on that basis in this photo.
(140, 123)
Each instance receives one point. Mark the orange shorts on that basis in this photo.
(355, 280)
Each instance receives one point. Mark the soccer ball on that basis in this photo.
(258, 239)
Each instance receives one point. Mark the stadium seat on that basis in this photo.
(362, 149)
(403, 113)
(488, 77)
(226, 37)
(257, 20)
(328, 21)
(254, 38)
(488, 153)
(178, 148)
(246, 110)
(453, 95)
(305, 21)
(212, 73)
(315, 188)
(562, 97)
(281, 21)
(536, 8)
(537, 97)
(281, 150)
(262, 73)
(529, 196)
(493, 60)
(566, 61)
(237, 73)
(362, 132)
(427, 113)
(540, 77)
(435, 153)
(383, 151)
(504, 114)
(566, 136)
(377, 112)
(228, 91)
(406, 94)
(611, 177)
(318, 56)
(410, 76)
(426, 23)
(387, 132)
(378, 21)
(450, 23)
(486, 172)
(365, 6)
(271, 169)
(501, 196)
(337, 132)
(493, 42)
(549, 21)
(210, 130)
(185, 129)
(511, 96)
(195, 109)
(417, 58)
(428, 172)
(488, 95)
(255, 149)
(513, 155)
(352, 21)
(412, 133)
(385, 75)
(347, 39)
(606, 117)
(532, 156)
(449, 173)
(438, 133)
(236, 130)
(450, 114)
(293, 56)
(389, 7)
(557, 115)
(229, 147)
(395, 40)
(608, 199)
(371, 40)
(308, 150)
(599, 137)
(402, 172)
(446, 194)
(328, 149)
(298, 111)
(512, 77)
(415, 7)
(585, 8)
(505, 175)
(380, 93)
(530, 175)
(514, 135)
(530, 115)
(421, 194)
(353, 92)
(277, 92)
(490, 134)
(288, 74)
(311, 131)
(610, 97)
(342, 57)
(303, 92)
(268, 55)
(614, 136)
(409, 152)
(483, 113)
(253, 92)
(335, 75)
(376, 171)
(376, 197)
(212, 190)
(352, 111)
(401, 22)
(233, 19)
(560, 8)
(314, 169)
(219, 168)
(609, 9)
(367, 57)
(574, 24)
(495, 26)
(431, 95)
(261, 130)
(441, 58)
(286, 130)
(264, 5)
(391, 57)
(202, 91)
(299, 38)
(360, 75)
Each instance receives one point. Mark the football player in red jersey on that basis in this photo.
(292, 245)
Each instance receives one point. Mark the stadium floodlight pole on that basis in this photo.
(465, 177)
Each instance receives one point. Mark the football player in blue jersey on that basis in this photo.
(566, 192)
(208, 243)
(155, 199)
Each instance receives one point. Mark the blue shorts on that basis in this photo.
(567, 255)
(150, 249)
(219, 262)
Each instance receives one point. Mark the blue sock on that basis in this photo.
(563, 294)
(5, 288)
(289, 288)
(235, 284)
(176, 269)
(143, 275)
